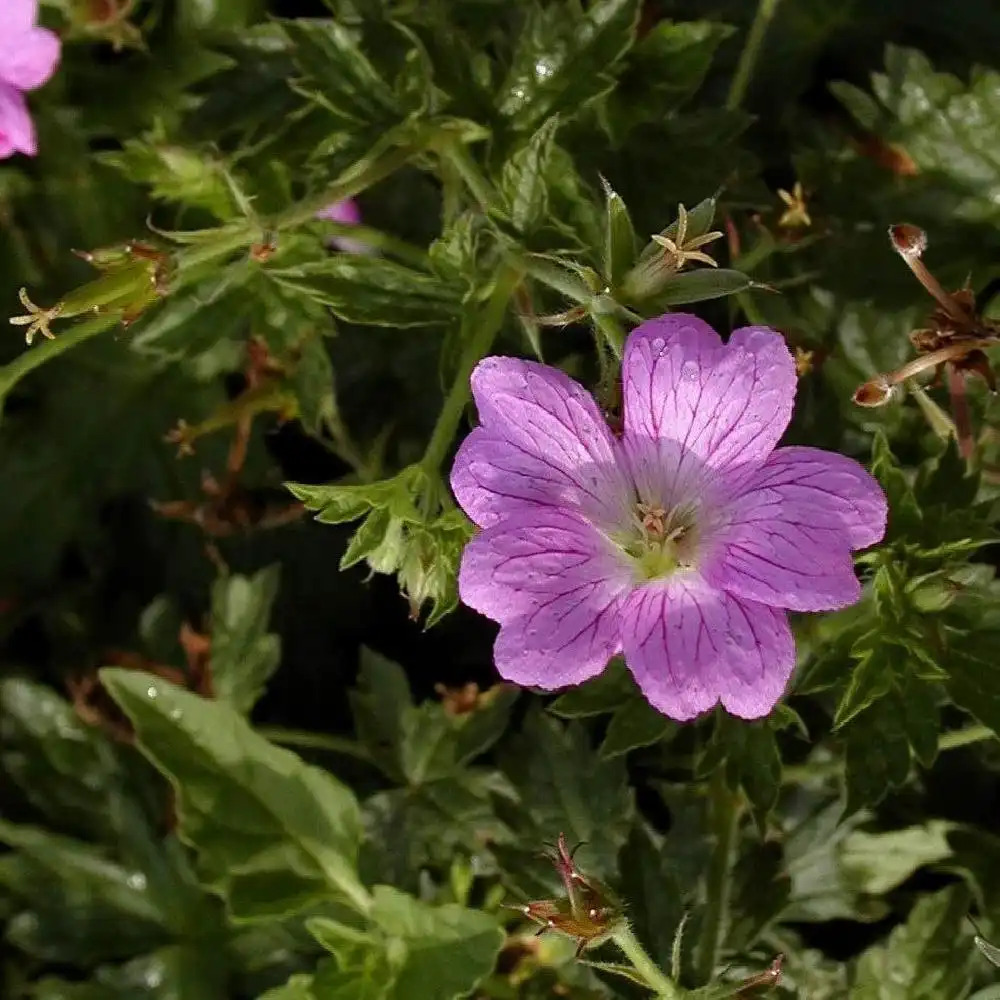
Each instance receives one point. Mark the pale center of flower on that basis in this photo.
(661, 541)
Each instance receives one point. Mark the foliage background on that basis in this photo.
(852, 831)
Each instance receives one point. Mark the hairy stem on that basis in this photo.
(12, 373)
(479, 330)
(725, 821)
(750, 53)
(643, 964)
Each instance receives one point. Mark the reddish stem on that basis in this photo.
(960, 411)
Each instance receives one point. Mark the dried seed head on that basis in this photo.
(876, 392)
(907, 240)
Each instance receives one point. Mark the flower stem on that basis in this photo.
(380, 241)
(457, 155)
(643, 964)
(751, 50)
(28, 361)
(479, 330)
(314, 741)
(726, 817)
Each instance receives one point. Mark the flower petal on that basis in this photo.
(555, 584)
(17, 17)
(689, 646)
(17, 131)
(545, 431)
(791, 531)
(695, 407)
(831, 482)
(28, 58)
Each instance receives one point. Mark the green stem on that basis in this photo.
(29, 360)
(229, 240)
(457, 155)
(725, 820)
(352, 181)
(751, 50)
(643, 964)
(314, 741)
(479, 330)
(380, 241)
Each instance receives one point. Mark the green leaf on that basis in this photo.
(565, 58)
(665, 69)
(78, 905)
(416, 744)
(875, 863)
(760, 891)
(524, 182)
(338, 74)
(175, 173)
(175, 972)
(635, 724)
(656, 901)
(905, 520)
(60, 765)
(447, 950)
(270, 831)
(815, 828)
(871, 679)
(698, 286)
(877, 754)
(298, 987)
(379, 705)
(336, 504)
(609, 690)
(749, 753)
(926, 958)
(947, 126)
(619, 237)
(244, 653)
(972, 678)
(312, 383)
(565, 787)
(374, 291)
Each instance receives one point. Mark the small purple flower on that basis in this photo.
(347, 213)
(681, 544)
(28, 57)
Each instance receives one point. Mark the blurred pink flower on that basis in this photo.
(347, 213)
(28, 57)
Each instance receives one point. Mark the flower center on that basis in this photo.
(662, 541)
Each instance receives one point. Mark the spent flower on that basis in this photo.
(28, 57)
(682, 544)
(589, 912)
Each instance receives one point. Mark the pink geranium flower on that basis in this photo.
(348, 213)
(28, 57)
(681, 544)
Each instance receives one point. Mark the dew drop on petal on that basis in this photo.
(151, 692)
(689, 371)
